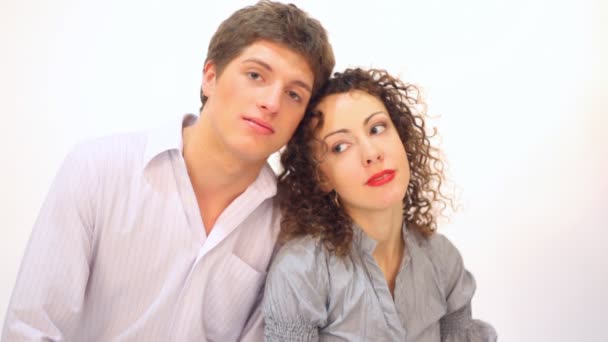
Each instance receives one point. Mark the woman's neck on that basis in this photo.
(386, 228)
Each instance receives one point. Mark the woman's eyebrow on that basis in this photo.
(370, 117)
(344, 130)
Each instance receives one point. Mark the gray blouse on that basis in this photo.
(311, 294)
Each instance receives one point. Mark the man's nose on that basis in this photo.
(270, 99)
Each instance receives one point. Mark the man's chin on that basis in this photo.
(250, 154)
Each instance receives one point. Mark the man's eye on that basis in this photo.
(295, 96)
(253, 75)
(377, 129)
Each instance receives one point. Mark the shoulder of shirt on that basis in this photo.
(301, 252)
(437, 247)
(442, 255)
(112, 150)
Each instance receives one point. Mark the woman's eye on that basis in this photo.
(339, 148)
(377, 129)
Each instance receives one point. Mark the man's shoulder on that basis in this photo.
(115, 142)
(111, 152)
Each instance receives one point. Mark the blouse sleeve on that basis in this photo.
(295, 296)
(458, 325)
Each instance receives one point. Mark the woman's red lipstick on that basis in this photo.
(381, 178)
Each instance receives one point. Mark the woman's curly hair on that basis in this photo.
(308, 210)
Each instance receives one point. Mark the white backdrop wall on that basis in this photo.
(518, 88)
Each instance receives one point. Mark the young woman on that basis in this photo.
(360, 194)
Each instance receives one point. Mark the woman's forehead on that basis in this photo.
(343, 108)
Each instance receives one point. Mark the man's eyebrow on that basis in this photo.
(267, 66)
(344, 130)
(303, 84)
(259, 62)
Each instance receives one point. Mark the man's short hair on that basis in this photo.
(279, 23)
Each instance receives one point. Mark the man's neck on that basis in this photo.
(217, 177)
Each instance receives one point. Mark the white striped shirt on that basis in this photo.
(119, 251)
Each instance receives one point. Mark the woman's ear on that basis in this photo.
(324, 183)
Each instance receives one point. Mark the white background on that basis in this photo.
(519, 88)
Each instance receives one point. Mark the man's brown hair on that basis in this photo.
(276, 22)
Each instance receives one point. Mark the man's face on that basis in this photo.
(258, 100)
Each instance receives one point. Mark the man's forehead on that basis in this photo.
(278, 57)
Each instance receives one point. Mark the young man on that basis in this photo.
(167, 235)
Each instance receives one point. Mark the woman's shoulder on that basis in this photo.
(442, 254)
(435, 245)
(296, 290)
(299, 254)
(298, 275)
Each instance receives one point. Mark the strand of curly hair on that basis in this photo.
(308, 210)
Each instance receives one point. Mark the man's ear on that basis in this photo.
(209, 78)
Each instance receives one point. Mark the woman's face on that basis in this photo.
(365, 162)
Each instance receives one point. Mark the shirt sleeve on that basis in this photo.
(49, 292)
(458, 325)
(295, 299)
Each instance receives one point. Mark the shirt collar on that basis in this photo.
(167, 137)
(366, 244)
(266, 183)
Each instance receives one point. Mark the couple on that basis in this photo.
(167, 235)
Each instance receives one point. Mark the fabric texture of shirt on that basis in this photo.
(311, 294)
(119, 250)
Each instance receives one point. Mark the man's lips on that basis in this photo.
(381, 178)
(259, 125)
